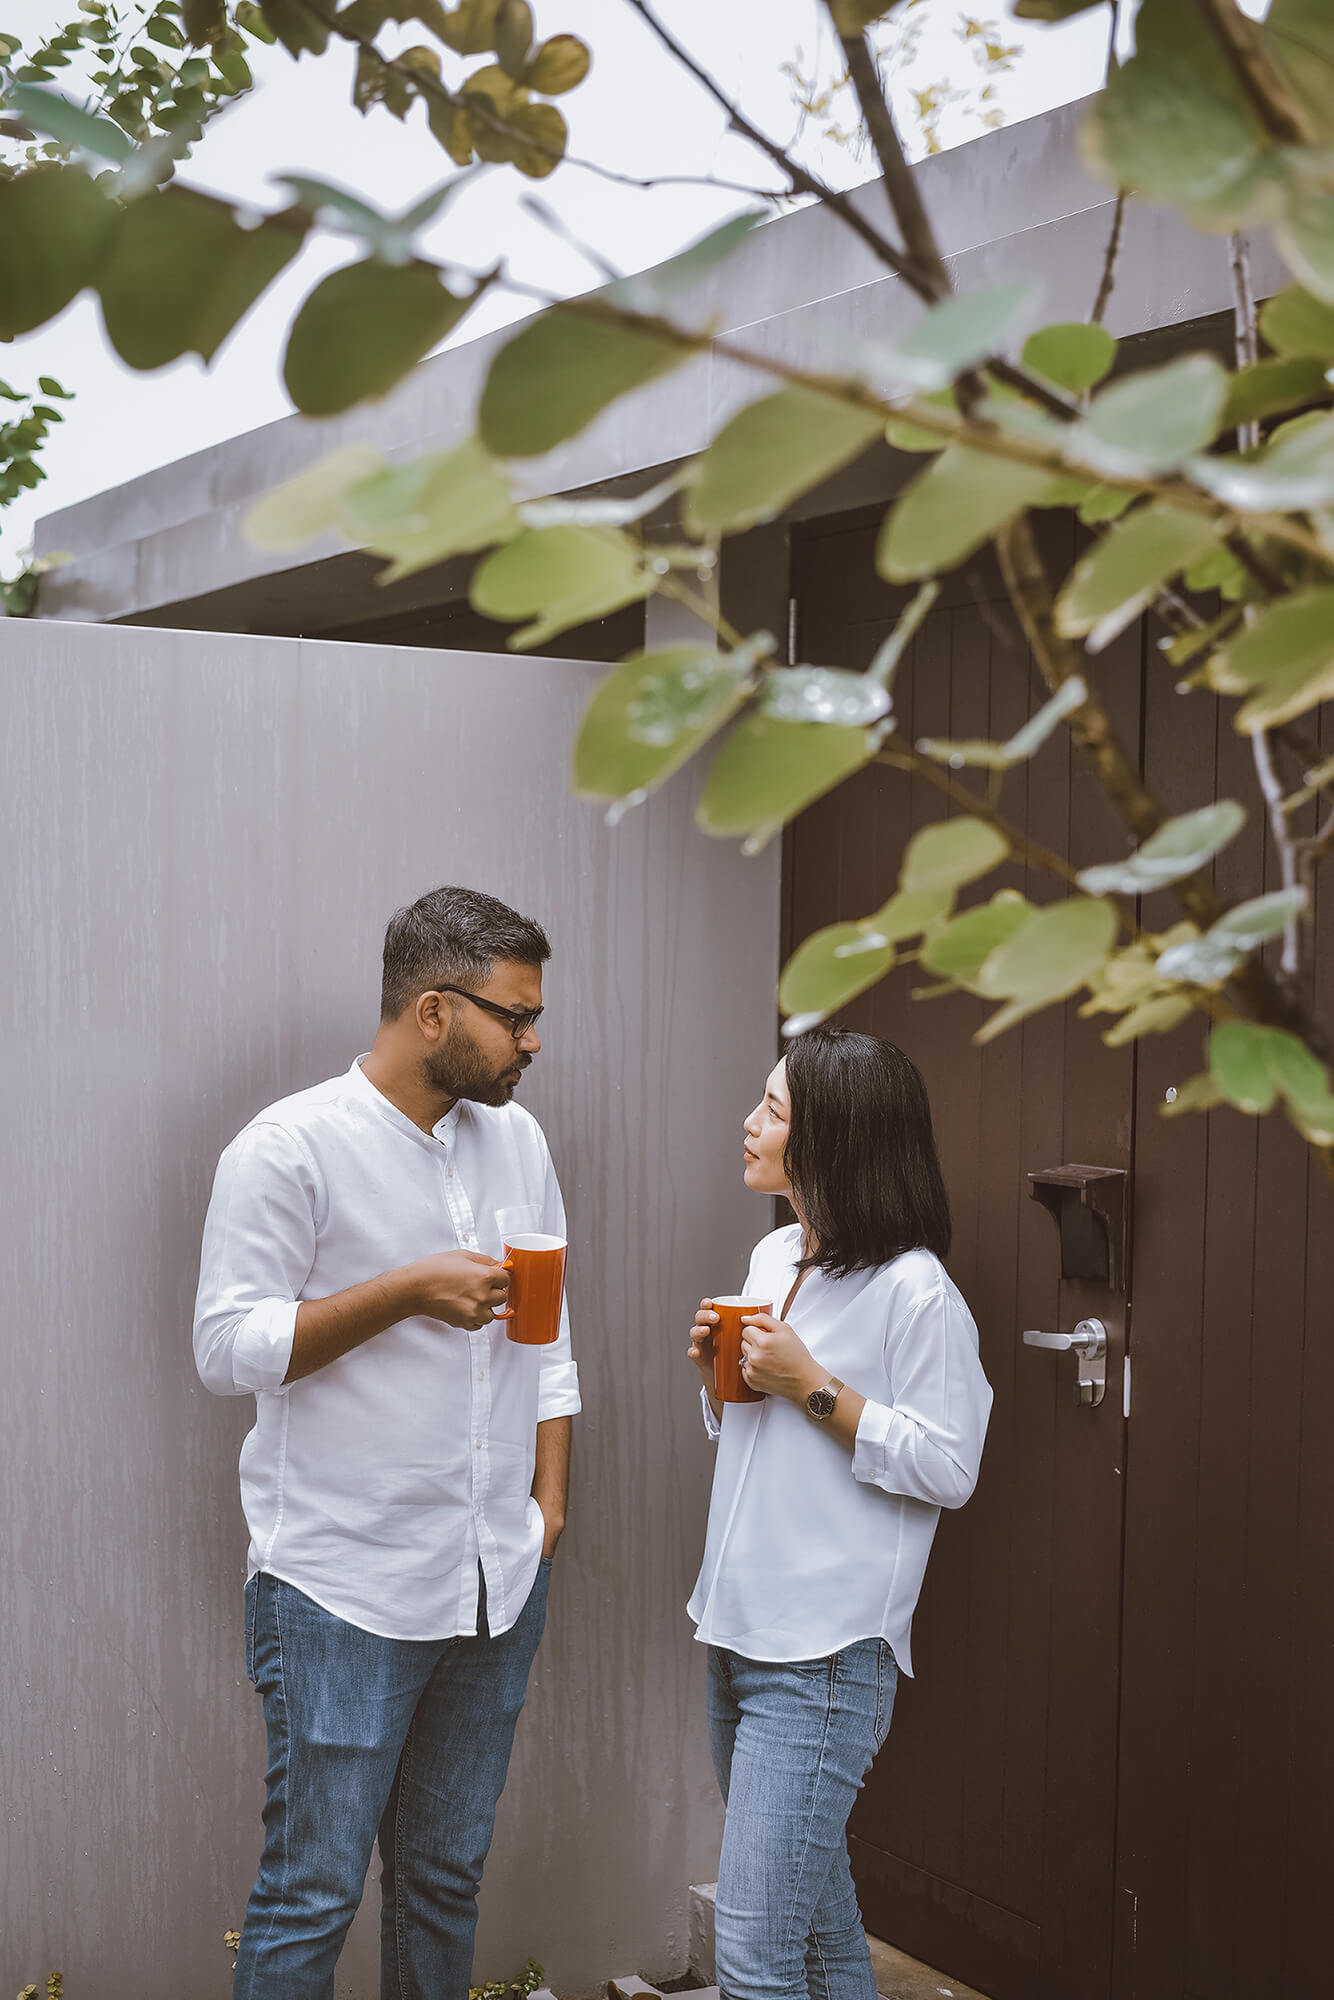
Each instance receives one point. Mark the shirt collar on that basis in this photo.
(364, 1090)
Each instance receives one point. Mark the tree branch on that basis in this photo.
(800, 180)
(1110, 259)
(1283, 115)
(900, 187)
(1290, 963)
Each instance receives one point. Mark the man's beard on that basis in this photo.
(459, 1070)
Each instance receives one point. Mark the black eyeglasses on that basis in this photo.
(518, 1023)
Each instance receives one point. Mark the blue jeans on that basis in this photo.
(792, 1742)
(407, 1739)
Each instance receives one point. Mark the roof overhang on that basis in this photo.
(167, 548)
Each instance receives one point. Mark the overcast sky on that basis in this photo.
(637, 112)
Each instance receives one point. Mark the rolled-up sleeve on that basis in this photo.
(558, 1383)
(711, 1423)
(927, 1443)
(259, 1245)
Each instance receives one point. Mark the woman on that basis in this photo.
(826, 1496)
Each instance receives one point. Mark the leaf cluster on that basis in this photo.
(527, 1982)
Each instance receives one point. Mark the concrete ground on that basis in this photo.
(897, 1976)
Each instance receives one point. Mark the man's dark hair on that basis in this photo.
(453, 937)
(861, 1153)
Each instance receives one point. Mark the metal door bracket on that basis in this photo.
(1089, 1208)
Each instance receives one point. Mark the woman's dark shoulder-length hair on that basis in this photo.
(861, 1153)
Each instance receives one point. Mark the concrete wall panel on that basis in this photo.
(203, 839)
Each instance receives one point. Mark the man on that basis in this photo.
(405, 1481)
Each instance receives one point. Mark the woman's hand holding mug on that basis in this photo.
(700, 1349)
(775, 1360)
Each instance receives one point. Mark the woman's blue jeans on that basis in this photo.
(405, 1739)
(792, 1742)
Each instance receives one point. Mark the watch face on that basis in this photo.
(820, 1402)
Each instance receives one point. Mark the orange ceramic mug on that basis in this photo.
(729, 1385)
(536, 1264)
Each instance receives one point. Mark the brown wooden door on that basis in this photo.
(1112, 1778)
(1226, 1797)
(984, 1842)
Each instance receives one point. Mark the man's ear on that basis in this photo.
(429, 1013)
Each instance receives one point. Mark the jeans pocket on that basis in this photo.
(251, 1594)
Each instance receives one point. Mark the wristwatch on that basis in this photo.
(820, 1403)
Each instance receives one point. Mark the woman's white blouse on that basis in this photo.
(810, 1547)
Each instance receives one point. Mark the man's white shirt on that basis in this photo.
(807, 1549)
(378, 1484)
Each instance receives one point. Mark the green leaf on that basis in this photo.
(1304, 232)
(656, 290)
(771, 452)
(1287, 656)
(768, 770)
(181, 272)
(828, 970)
(955, 336)
(1104, 503)
(822, 694)
(950, 853)
(48, 111)
(1154, 420)
(1002, 756)
(559, 371)
(444, 503)
(1296, 324)
(204, 19)
(362, 329)
(1071, 354)
(961, 499)
(559, 65)
(1300, 33)
(513, 36)
(885, 665)
(296, 27)
(334, 205)
(908, 913)
(1053, 10)
(1161, 129)
(906, 436)
(1271, 388)
(54, 225)
(1053, 952)
(961, 948)
(1152, 1017)
(652, 713)
(559, 577)
(541, 146)
(1177, 849)
(1109, 587)
(1213, 958)
(1239, 1064)
(1296, 470)
(50, 387)
(290, 515)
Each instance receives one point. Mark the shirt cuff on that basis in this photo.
(869, 1447)
(711, 1423)
(262, 1349)
(558, 1392)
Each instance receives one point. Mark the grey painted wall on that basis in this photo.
(203, 839)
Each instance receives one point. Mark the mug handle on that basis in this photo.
(507, 1264)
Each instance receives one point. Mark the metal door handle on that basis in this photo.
(1088, 1343)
